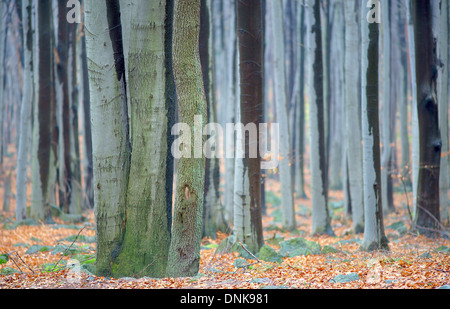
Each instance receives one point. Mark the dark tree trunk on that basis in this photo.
(250, 36)
(427, 214)
(45, 99)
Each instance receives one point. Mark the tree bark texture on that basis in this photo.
(184, 251)
(427, 215)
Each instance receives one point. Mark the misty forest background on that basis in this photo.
(87, 108)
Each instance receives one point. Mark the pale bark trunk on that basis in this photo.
(353, 115)
(374, 237)
(321, 221)
(148, 206)
(42, 151)
(414, 116)
(300, 105)
(111, 150)
(25, 113)
(282, 116)
(213, 217)
(387, 148)
(443, 107)
(230, 107)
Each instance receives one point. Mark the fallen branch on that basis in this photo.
(64, 254)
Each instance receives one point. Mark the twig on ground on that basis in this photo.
(64, 254)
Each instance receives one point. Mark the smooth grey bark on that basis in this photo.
(387, 129)
(337, 148)
(3, 39)
(42, 154)
(230, 44)
(321, 221)
(442, 90)
(299, 88)
(374, 237)
(353, 115)
(25, 113)
(110, 145)
(282, 116)
(414, 116)
(213, 216)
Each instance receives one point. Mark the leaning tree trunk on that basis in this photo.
(374, 237)
(43, 121)
(282, 116)
(25, 113)
(184, 251)
(353, 115)
(427, 215)
(111, 148)
(248, 221)
(321, 221)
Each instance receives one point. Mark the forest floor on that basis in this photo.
(38, 256)
(42, 256)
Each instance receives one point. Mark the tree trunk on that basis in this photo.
(443, 107)
(25, 113)
(282, 116)
(387, 130)
(184, 252)
(43, 122)
(250, 38)
(213, 217)
(230, 105)
(300, 105)
(321, 221)
(149, 196)
(374, 237)
(87, 146)
(414, 116)
(3, 40)
(110, 145)
(353, 115)
(427, 216)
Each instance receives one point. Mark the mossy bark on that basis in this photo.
(146, 241)
(184, 252)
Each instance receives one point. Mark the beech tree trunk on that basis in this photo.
(282, 116)
(427, 219)
(321, 221)
(353, 114)
(184, 251)
(250, 38)
(110, 146)
(43, 121)
(374, 237)
(25, 113)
